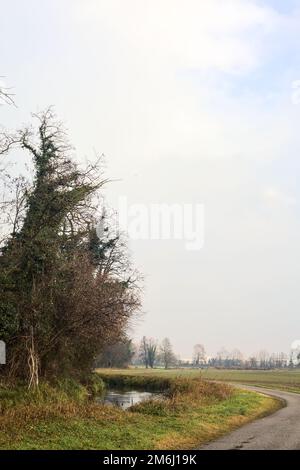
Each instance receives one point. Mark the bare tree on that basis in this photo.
(199, 355)
(263, 358)
(12, 205)
(152, 352)
(167, 355)
(148, 352)
(144, 352)
(253, 362)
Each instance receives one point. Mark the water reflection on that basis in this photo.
(125, 399)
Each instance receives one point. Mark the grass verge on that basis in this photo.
(194, 412)
(281, 379)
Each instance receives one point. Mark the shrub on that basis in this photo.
(95, 385)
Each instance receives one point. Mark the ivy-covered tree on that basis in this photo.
(64, 291)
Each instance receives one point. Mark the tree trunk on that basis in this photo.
(33, 362)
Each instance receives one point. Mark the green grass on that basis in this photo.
(287, 379)
(194, 412)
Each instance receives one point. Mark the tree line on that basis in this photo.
(148, 353)
(151, 353)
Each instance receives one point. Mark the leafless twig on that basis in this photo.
(6, 96)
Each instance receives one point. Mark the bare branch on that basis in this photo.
(6, 96)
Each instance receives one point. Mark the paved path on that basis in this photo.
(281, 430)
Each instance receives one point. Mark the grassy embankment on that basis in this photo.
(193, 412)
(286, 379)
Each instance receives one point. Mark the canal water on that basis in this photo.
(126, 399)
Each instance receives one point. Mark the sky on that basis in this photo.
(192, 102)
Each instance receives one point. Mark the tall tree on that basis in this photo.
(152, 352)
(148, 352)
(167, 355)
(199, 354)
(64, 291)
(143, 352)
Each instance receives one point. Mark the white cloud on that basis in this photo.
(275, 198)
(160, 67)
(190, 34)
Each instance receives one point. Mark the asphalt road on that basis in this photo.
(279, 431)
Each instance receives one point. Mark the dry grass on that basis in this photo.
(193, 412)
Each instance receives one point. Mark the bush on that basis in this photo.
(155, 384)
(95, 385)
(72, 389)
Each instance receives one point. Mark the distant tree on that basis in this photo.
(148, 352)
(235, 358)
(167, 355)
(222, 358)
(283, 359)
(253, 362)
(144, 352)
(223, 354)
(263, 358)
(152, 352)
(199, 355)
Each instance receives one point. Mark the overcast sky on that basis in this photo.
(192, 101)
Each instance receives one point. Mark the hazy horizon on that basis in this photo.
(191, 103)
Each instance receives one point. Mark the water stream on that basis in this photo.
(126, 399)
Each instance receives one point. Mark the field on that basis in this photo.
(193, 412)
(288, 380)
